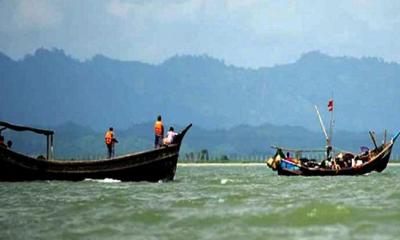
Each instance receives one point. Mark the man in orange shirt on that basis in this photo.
(158, 132)
(110, 140)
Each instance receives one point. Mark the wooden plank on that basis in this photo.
(373, 138)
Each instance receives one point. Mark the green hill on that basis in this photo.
(50, 88)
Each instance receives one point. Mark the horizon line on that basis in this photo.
(177, 55)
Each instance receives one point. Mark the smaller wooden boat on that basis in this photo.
(343, 163)
(151, 165)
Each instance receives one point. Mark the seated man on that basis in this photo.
(170, 136)
(9, 144)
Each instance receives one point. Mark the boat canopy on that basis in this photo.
(48, 133)
(5, 125)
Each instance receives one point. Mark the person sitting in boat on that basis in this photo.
(110, 141)
(326, 164)
(170, 136)
(2, 142)
(9, 144)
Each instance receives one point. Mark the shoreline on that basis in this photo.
(242, 164)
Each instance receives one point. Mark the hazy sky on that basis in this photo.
(248, 33)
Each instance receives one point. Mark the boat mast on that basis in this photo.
(322, 124)
(328, 141)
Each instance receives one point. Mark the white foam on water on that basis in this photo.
(105, 180)
(110, 180)
(225, 181)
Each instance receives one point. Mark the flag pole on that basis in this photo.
(332, 109)
(329, 147)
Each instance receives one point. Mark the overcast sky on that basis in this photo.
(249, 33)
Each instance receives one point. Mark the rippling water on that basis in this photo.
(214, 202)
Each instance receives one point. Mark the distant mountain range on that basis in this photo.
(50, 88)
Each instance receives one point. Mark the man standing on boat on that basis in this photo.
(110, 141)
(159, 132)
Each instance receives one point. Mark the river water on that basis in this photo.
(206, 202)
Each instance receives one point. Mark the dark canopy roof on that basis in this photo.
(23, 128)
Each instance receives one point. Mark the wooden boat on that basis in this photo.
(151, 165)
(344, 163)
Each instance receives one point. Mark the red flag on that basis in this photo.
(330, 105)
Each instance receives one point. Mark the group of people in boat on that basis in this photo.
(159, 140)
(340, 161)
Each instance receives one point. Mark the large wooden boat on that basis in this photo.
(343, 163)
(151, 165)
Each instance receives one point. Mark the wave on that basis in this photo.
(105, 180)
